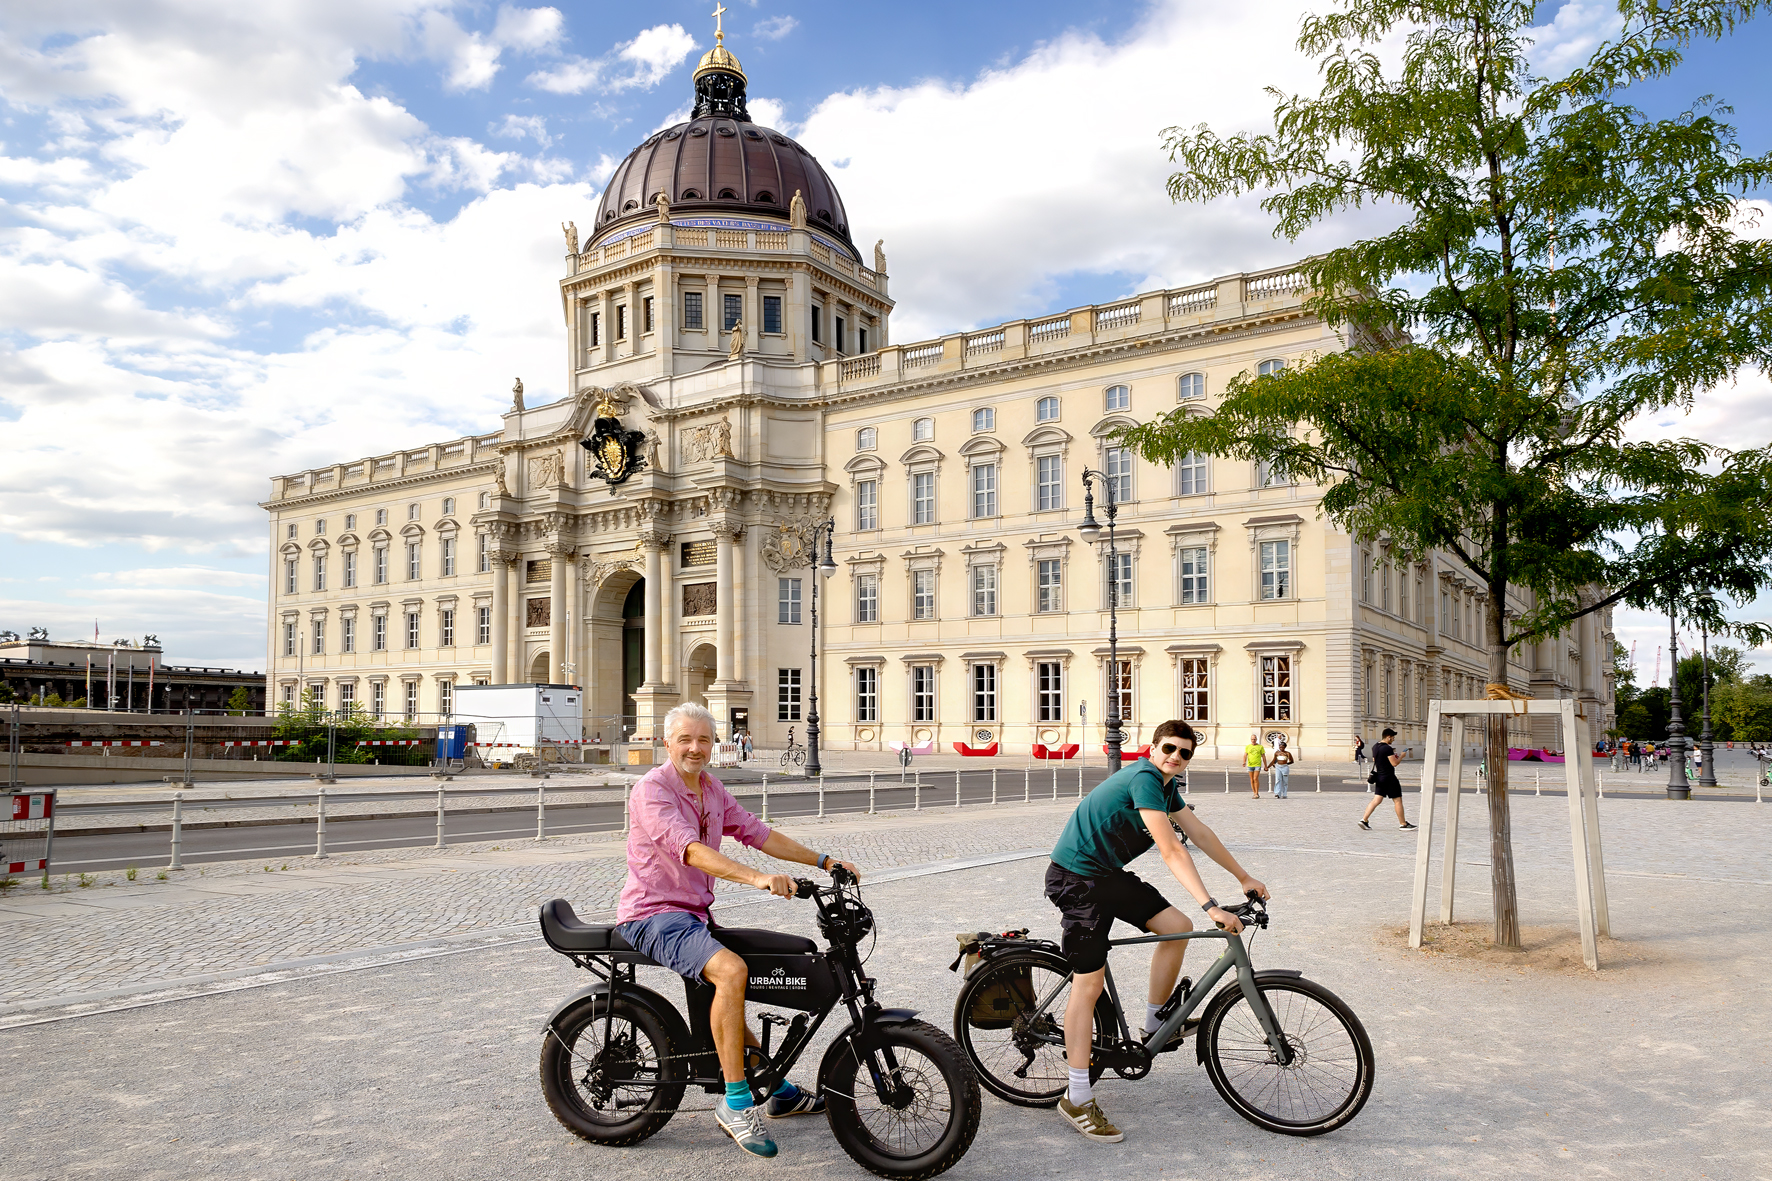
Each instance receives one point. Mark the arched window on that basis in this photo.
(1117, 397)
(1190, 385)
(728, 195)
(766, 198)
(923, 430)
(1270, 366)
(867, 438)
(984, 419)
(690, 195)
(1046, 410)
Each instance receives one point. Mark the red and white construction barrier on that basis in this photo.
(265, 742)
(26, 850)
(395, 742)
(126, 742)
(492, 745)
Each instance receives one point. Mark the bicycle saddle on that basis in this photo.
(565, 931)
(756, 941)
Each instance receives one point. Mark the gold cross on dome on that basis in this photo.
(720, 10)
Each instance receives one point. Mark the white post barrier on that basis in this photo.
(1227, 781)
(178, 825)
(626, 802)
(541, 812)
(1599, 785)
(917, 791)
(1027, 784)
(870, 793)
(1079, 781)
(320, 823)
(1535, 784)
(956, 787)
(1319, 779)
(765, 816)
(821, 793)
(993, 785)
(1055, 783)
(441, 841)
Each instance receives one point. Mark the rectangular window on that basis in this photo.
(484, 560)
(596, 330)
(1366, 688)
(923, 594)
(839, 333)
(1194, 588)
(446, 627)
(787, 694)
(412, 699)
(646, 314)
(1049, 691)
(289, 639)
(1403, 593)
(1124, 687)
(1190, 475)
(1276, 569)
(867, 505)
(291, 535)
(1276, 688)
(1384, 587)
(1269, 474)
(787, 600)
(1120, 579)
(692, 309)
(351, 569)
(1365, 576)
(347, 634)
(1194, 689)
(378, 633)
(1048, 483)
(483, 625)
(381, 563)
(867, 598)
(289, 576)
(984, 590)
(1445, 614)
(1117, 462)
(1117, 397)
(1389, 686)
(984, 490)
(621, 321)
(922, 692)
(381, 516)
(378, 698)
(817, 317)
(923, 498)
(412, 556)
(861, 340)
(867, 694)
(347, 697)
(446, 689)
(412, 629)
(319, 528)
(448, 557)
(412, 512)
(318, 645)
(319, 572)
(1049, 585)
(984, 693)
(772, 313)
(731, 311)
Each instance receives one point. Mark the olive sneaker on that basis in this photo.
(1088, 1120)
(746, 1128)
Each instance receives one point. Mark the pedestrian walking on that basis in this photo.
(1359, 752)
(1282, 770)
(1255, 759)
(1385, 784)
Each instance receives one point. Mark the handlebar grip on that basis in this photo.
(803, 888)
(841, 876)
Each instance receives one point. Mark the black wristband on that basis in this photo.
(1208, 905)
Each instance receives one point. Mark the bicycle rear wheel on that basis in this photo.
(1016, 1046)
(1329, 1078)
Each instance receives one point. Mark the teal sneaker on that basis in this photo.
(798, 1103)
(746, 1128)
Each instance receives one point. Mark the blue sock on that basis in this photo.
(738, 1096)
(787, 1090)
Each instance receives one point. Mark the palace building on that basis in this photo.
(721, 325)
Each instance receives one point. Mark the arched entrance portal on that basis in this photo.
(615, 663)
(699, 672)
(538, 669)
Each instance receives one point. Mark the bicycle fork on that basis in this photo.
(1264, 1013)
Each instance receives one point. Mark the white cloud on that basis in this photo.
(519, 126)
(575, 75)
(774, 28)
(638, 64)
(767, 111)
(531, 29)
(1573, 34)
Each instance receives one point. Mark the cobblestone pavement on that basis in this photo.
(426, 1068)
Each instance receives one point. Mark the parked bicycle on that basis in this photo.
(1287, 1054)
(617, 1057)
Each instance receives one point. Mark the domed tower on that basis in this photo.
(716, 225)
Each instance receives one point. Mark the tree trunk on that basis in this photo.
(1503, 890)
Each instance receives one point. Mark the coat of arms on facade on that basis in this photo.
(788, 548)
(616, 453)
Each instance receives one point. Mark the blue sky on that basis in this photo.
(240, 240)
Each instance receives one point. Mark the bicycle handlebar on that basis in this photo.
(806, 887)
(1252, 913)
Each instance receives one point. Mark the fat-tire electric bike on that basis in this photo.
(1287, 1054)
(617, 1057)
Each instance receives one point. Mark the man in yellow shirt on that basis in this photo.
(1255, 758)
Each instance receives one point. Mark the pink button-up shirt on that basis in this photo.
(664, 818)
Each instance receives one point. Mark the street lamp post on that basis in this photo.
(1707, 774)
(1090, 531)
(1676, 729)
(823, 567)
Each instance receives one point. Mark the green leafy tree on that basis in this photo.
(1745, 706)
(1563, 265)
(240, 701)
(307, 726)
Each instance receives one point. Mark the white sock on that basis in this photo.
(1081, 1092)
(1150, 1017)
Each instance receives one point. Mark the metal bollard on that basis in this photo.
(917, 792)
(320, 823)
(1536, 786)
(626, 803)
(1599, 785)
(541, 812)
(956, 787)
(1227, 781)
(178, 824)
(765, 816)
(1055, 783)
(870, 793)
(1079, 781)
(441, 841)
(1027, 783)
(821, 794)
(1319, 779)
(993, 785)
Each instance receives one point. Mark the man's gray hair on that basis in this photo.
(689, 712)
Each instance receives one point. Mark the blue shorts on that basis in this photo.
(675, 939)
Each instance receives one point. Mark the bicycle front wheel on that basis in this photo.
(1329, 1078)
(928, 1116)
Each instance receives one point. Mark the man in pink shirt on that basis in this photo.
(678, 815)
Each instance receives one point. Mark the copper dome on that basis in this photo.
(720, 163)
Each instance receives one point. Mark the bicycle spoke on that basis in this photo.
(1325, 1071)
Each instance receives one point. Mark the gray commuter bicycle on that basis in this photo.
(1287, 1054)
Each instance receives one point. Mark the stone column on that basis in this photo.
(652, 698)
(514, 671)
(560, 557)
(753, 313)
(630, 294)
(726, 601)
(501, 615)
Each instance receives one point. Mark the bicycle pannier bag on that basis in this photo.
(1010, 991)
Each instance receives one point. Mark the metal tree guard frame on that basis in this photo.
(1584, 815)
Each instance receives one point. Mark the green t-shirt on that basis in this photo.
(1254, 755)
(1106, 833)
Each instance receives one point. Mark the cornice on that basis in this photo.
(392, 482)
(629, 271)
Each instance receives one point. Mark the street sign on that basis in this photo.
(27, 829)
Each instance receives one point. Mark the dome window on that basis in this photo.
(766, 198)
(728, 195)
(673, 133)
(630, 205)
(751, 134)
(610, 216)
(779, 138)
(824, 215)
(698, 132)
(727, 132)
(691, 195)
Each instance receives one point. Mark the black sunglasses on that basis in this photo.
(1169, 748)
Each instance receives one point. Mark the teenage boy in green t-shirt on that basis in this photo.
(1126, 815)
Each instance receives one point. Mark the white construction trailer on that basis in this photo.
(516, 719)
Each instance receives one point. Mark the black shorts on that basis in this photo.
(1390, 789)
(1089, 907)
